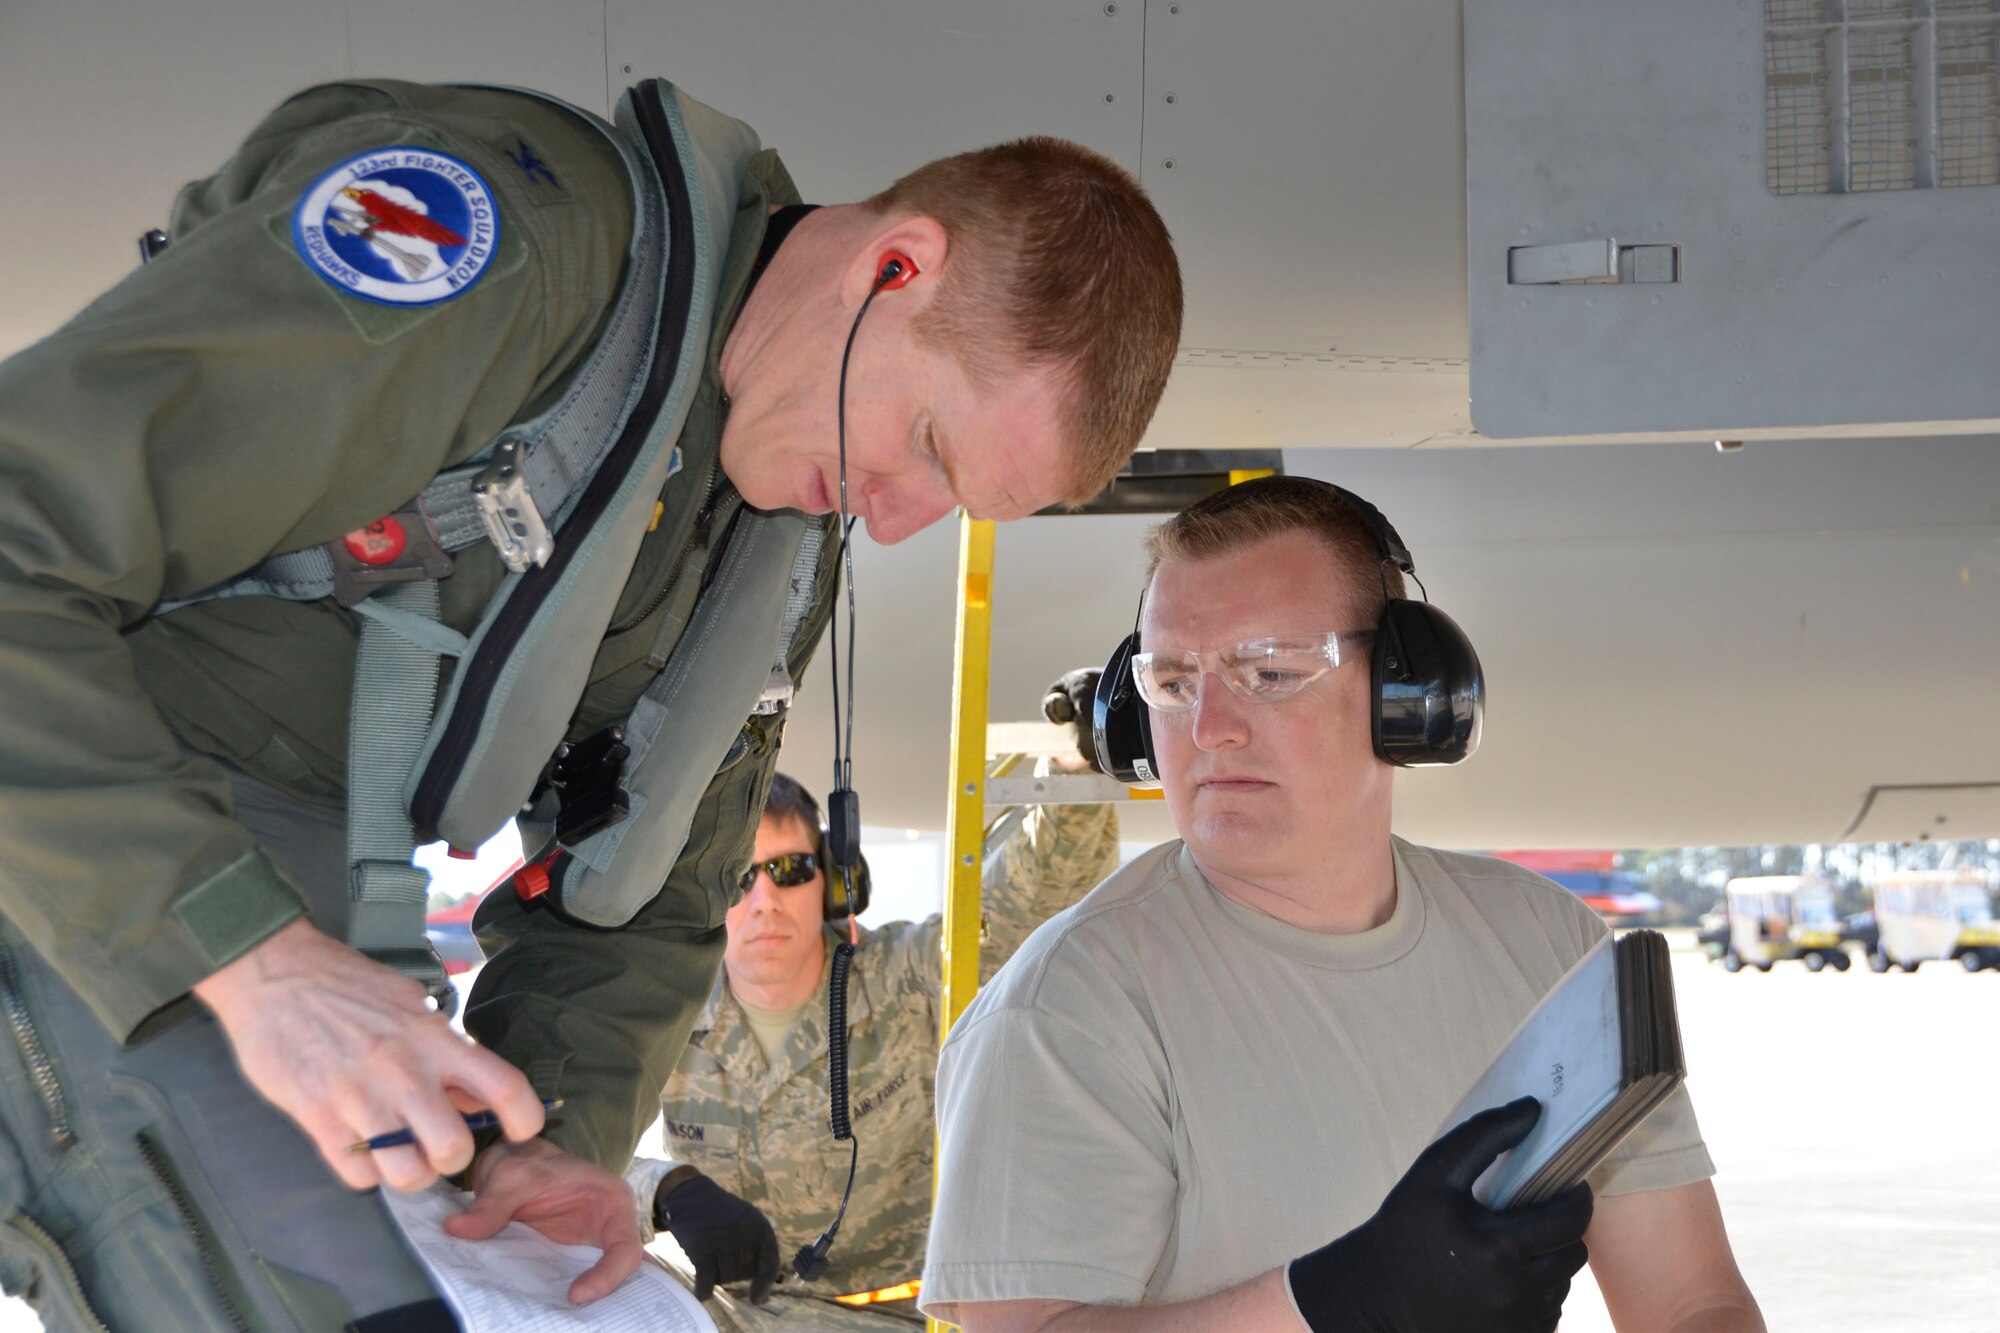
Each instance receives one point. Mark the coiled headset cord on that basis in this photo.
(843, 835)
(810, 1262)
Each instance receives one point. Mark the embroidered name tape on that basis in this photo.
(400, 226)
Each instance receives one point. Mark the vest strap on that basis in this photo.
(395, 687)
(434, 637)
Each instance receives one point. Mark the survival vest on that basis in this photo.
(566, 497)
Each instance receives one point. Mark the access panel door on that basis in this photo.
(1732, 214)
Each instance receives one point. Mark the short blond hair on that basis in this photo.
(1058, 258)
(1243, 515)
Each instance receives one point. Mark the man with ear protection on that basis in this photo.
(752, 1173)
(1206, 1096)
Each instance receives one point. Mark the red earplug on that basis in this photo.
(895, 270)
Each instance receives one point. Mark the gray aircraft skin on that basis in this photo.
(1794, 640)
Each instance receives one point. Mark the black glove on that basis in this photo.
(1069, 703)
(1435, 1258)
(726, 1238)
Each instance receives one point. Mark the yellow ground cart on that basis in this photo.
(1775, 917)
(1922, 915)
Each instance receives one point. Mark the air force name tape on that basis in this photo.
(399, 226)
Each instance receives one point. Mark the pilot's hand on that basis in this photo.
(1433, 1257)
(350, 1049)
(1069, 701)
(726, 1238)
(569, 1200)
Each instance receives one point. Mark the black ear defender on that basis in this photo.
(1429, 690)
(1120, 722)
(1430, 694)
(840, 901)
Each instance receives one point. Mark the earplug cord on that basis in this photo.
(811, 1261)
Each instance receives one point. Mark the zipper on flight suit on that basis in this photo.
(204, 1241)
(484, 668)
(63, 1268)
(41, 1069)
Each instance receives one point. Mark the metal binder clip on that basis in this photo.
(509, 512)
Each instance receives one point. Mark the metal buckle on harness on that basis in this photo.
(778, 692)
(512, 521)
(424, 965)
(396, 548)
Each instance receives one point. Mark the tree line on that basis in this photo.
(1689, 880)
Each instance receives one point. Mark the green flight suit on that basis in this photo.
(760, 1130)
(224, 403)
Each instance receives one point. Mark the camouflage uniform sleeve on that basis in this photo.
(912, 961)
(1059, 853)
(644, 1176)
(219, 405)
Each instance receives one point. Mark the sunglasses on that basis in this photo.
(787, 871)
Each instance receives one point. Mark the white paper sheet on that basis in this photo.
(518, 1281)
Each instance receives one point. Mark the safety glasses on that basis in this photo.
(787, 871)
(1264, 671)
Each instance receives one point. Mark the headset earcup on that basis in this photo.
(835, 904)
(1430, 694)
(862, 886)
(1120, 722)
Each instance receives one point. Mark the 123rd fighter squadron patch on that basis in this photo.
(400, 226)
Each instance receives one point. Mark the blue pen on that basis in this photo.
(403, 1138)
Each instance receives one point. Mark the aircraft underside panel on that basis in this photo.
(1719, 214)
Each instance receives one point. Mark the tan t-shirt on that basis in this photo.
(1167, 1093)
(771, 1026)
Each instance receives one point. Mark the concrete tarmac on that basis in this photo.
(1852, 1118)
(1852, 1121)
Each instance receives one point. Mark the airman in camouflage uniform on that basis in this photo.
(759, 1129)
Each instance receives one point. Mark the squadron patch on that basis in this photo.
(400, 226)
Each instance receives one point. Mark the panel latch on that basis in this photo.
(1600, 261)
